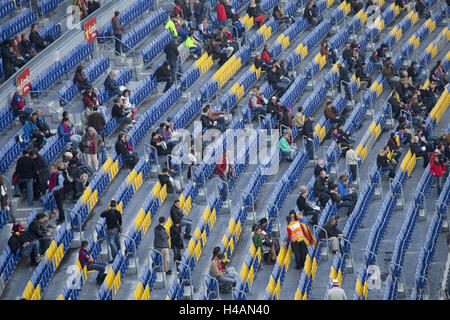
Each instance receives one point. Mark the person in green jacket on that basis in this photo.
(286, 150)
(171, 25)
(193, 45)
(175, 25)
(258, 238)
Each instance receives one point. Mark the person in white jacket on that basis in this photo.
(352, 161)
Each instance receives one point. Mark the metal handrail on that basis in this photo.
(402, 276)
(370, 102)
(204, 179)
(213, 279)
(156, 151)
(107, 246)
(54, 92)
(371, 252)
(428, 284)
(132, 50)
(234, 289)
(391, 180)
(390, 113)
(79, 222)
(227, 185)
(190, 276)
(350, 249)
(315, 227)
(136, 258)
(150, 264)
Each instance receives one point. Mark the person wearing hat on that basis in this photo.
(163, 74)
(336, 293)
(21, 240)
(113, 227)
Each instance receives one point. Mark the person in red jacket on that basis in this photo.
(265, 55)
(437, 169)
(225, 170)
(221, 14)
(85, 259)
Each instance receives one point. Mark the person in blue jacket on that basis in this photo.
(344, 190)
(66, 130)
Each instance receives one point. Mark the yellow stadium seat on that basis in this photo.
(110, 278)
(146, 294)
(244, 272)
(156, 189)
(298, 295)
(139, 291)
(29, 290)
(308, 265)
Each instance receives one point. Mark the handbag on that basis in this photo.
(15, 177)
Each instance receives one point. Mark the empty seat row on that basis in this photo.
(17, 24)
(6, 7)
(45, 7)
(143, 29)
(157, 45)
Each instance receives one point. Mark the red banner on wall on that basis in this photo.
(90, 30)
(23, 81)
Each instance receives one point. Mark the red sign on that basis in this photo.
(90, 30)
(23, 81)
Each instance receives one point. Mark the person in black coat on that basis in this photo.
(163, 74)
(111, 84)
(176, 214)
(164, 179)
(304, 206)
(92, 6)
(121, 148)
(38, 231)
(25, 170)
(120, 114)
(26, 47)
(9, 59)
(113, 219)
(172, 55)
(42, 174)
(81, 80)
(37, 40)
(175, 240)
(320, 188)
(344, 80)
(213, 49)
(308, 132)
(21, 240)
(310, 14)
